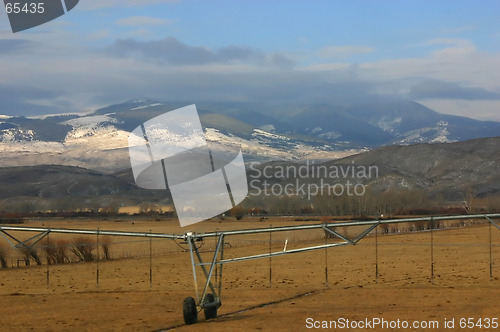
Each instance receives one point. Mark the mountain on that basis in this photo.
(449, 170)
(50, 186)
(24, 129)
(409, 122)
(98, 140)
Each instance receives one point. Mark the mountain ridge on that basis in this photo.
(450, 171)
(98, 139)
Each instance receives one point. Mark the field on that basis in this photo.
(126, 300)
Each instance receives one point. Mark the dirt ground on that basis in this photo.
(297, 296)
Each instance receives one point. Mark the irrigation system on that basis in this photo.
(208, 297)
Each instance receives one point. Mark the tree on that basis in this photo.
(105, 245)
(82, 248)
(468, 201)
(4, 252)
(238, 212)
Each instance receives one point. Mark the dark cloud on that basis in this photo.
(15, 100)
(281, 60)
(237, 53)
(10, 46)
(155, 70)
(434, 89)
(171, 50)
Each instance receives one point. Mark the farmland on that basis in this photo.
(127, 297)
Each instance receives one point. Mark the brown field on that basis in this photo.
(126, 301)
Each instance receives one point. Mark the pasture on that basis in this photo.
(142, 285)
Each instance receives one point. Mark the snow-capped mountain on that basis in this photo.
(98, 140)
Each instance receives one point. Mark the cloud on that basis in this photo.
(478, 109)
(169, 69)
(460, 29)
(172, 51)
(99, 4)
(434, 89)
(458, 61)
(142, 20)
(22, 100)
(342, 52)
(12, 46)
(455, 42)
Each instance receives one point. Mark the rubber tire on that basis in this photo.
(212, 311)
(189, 311)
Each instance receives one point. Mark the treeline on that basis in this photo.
(80, 249)
(392, 202)
(10, 213)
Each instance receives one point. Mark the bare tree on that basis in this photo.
(105, 245)
(82, 248)
(4, 252)
(468, 202)
(56, 252)
(28, 253)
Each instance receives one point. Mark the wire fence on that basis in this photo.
(57, 250)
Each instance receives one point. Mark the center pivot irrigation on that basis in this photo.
(208, 298)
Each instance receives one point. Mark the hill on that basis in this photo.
(453, 172)
(265, 131)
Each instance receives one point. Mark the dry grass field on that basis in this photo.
(125, 300)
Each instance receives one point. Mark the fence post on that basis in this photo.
(326, 260)
(48, 263)
(491, 255)
(376, 254)
(150, 261)
(97, 256)
(270, 258)
(432, 250)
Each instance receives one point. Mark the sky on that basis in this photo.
(443, 54)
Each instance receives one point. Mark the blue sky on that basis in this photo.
(444, 54)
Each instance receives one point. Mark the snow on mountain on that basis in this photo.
(387, 123)
(268, 127)
(45, 116)
(330, 135)
(99, 140)
(266, 134)
(91, 121)
(437, 134)
(270, 146)
(17, 134)
(145, 106)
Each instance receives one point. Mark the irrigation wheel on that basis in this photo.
(189, 311)
(210, 312)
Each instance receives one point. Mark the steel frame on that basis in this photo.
(215, 266)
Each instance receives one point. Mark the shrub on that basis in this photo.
(237, 212)
(4, 252)
(28, 253)
(82, 248)
(56, 252)
(105, 242)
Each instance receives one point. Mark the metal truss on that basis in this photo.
(208, 299)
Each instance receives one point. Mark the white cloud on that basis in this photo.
(98, 4)
(80, 77)
(479, 109)
(455, 42)
(142, 20)
(456, 30)
(342, 52)
(459, 61)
